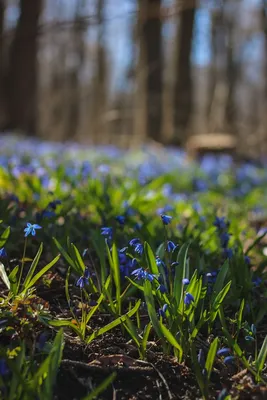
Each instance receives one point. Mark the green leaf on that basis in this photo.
(218, 301)
(43, 271)
(79, 260)
(150, 259)
(13, 280)
(115, 267)
(211, 356)
(220, 280)
(146, 335)
(101, 388)
(261, 357)
(4, 236)
(171, 339)
(33, 266)
(151, 308)
(45, 377)
(4, 276)
(59, 323)
(114, 323)
(66, 256)
(180, 271)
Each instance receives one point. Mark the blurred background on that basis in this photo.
(128, 72)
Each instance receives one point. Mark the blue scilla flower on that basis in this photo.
(166, 219)
(249, 338)
(120, 219)
(162, 288)
(170, 246)
(257, 281)
(224, 239)
(223, 351)
(134, 262)
(186, 281)
(220, 223)
(140, 273)
(84, 279)
(53, 204)
(188, 299)
(229, 360)
(162, 311)
(247, 260)
(133, 242)
(228, 253)
(3, 252)
(3, 367)
(201, 358)
(106, 231)
(139, 249)
(253, 329)
(31, 229)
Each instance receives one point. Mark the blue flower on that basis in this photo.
(30, 229)
(249, 338)
(162, 311)
(139, 249)
(201, 358)
(247, 260)
(257, 281)
(134, 242)
(186, 281)
(220, 223)
(229, 360)
(3, 367)
(188, 299)
(162, 288)
(134, 262)
(3, 252)
(224, 239)
(84, 279)
(228, 253)
(53, 204)
(139, 273)
(223, 351)
(166, 219)
(170, 246)
(120, 219)
(106, 231)
(253, 329)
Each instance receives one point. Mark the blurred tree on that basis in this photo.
(2, 20)
(22, 72)
(73, 78)
(100, 75)
(151, 52)
(183, 76)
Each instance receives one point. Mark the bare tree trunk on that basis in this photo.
(2, 17)
(150, 19)
(22, 74)
(183, 84)
(73, 119)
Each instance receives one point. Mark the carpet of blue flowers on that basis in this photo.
(164, 257)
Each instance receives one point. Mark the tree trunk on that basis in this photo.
(150, 19)
(2, 18)
(22, 75)
(183, 82)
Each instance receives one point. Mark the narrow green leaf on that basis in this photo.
(150, 259)
(79, 260)
(59, 323)
(218, 301)
(114, 323)
(4, 276)
(180, 271)
(116, 275)
(151, 308)
(13, 280)
(220, 280)
(261, 357)
(4, 236)
(33, 266)
(66, 256)
(211, 356)
(43, 271)
(101, 388)
(171, 339)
